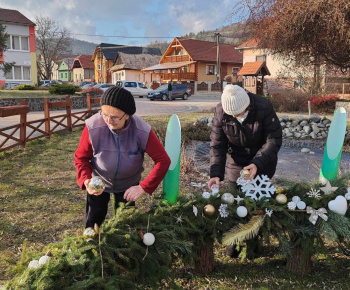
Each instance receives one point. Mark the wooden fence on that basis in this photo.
(25, 131)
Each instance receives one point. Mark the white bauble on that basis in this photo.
(296, 199)
(43, 260)
(33, 264)
(148, 239)
(227, 198)
(301, 205)
(242, 211)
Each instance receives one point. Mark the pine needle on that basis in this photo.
(243, 232)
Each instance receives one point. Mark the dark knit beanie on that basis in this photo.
(119, 98)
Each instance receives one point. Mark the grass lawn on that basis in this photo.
(40, 201)
(16, 94)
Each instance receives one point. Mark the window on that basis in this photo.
(235, 70)
(66, 75)
(261, 58)
(99, 67)
(15, 42)
(211, 69)
(18, 73)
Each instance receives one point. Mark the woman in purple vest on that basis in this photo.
(112, 147)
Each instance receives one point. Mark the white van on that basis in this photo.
(137, 89)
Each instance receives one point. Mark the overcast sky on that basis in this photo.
(128, 17)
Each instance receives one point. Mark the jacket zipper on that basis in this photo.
(116, 171)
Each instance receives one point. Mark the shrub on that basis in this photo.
(199, 131)
(25, 88)
(92, 91)
(323, 104)
(289, 101)
(63, 89)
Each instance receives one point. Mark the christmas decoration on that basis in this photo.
(301, 205)
(315, 213)
(347, 196)
(242, 211)
(195, 210)
(268, 212)
(223, 211)
(245, 173)
(89, 232)
(239, 199)
(34, 264)
(179, 219)
(96, 183)
(296, 199)
(328, 189)
(339, 205)
(148, 239)
(281, 198)
(43, 260)
(214, 190)
(227, 198)
(243, 232)
(314, 193)
(259, 187)
(206, 195)
(209, 210)
(291, 205)
(243, 182)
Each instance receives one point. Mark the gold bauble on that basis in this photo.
(89, 233)
(209, 209)
(244, 173)
(281, 198)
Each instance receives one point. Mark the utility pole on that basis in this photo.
(218, 68)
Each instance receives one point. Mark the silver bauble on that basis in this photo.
(227, 198)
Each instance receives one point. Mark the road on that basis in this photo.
(144, 107)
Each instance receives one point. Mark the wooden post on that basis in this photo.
(343, 90)
(47, 116)
(69, 113)
(88, 102)
(23, 122)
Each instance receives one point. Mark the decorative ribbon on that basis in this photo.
(315, 213)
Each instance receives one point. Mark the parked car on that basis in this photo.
(137, 89)
(11, 86)
(103, 87)
(88, 85)
(47, 83)
(81, 84)
(161, 93)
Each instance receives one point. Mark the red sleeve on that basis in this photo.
(161, 163)
(83, 156)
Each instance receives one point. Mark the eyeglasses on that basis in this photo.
(113, 118)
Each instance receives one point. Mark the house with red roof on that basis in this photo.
(196, 60)
(21, 48)
(83, 68)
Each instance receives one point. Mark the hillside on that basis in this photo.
(82, 47)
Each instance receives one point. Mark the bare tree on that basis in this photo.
(308, 32)
(4, 66)
(51, 42)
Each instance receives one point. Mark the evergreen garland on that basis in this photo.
(179, 233)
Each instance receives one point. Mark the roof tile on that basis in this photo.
(14, 16)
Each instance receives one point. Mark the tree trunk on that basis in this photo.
(205, 262)
(300, 261)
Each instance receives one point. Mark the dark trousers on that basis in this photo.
(97, 207)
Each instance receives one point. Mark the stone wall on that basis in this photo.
(37, 104)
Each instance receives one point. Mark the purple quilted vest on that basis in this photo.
(118, 157)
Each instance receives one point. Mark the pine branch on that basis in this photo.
(243, 232)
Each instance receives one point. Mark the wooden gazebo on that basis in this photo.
(253, 76)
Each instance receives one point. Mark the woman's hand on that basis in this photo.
(90, 191)
(134, 193)
(252, 169)
(212, 181)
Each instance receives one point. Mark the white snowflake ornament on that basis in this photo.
(291, 205)
(224, 213)
(313, 193)
(268, 212)
(259, 187)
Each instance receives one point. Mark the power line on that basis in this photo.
(122, 36)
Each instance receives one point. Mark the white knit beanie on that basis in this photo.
(234, 100)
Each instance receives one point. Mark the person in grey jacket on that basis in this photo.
(246, 134)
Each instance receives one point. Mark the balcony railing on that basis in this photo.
(188, 76)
